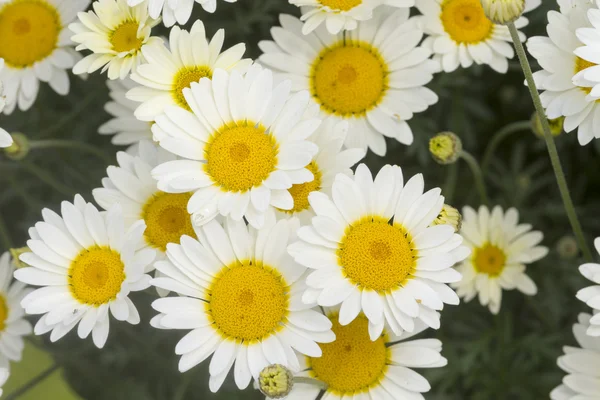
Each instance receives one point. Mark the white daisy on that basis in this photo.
(175, 11)
(168, 72)
(5, 137)
(372, 250)
(329, 161)
(12, 324)
(566, 91)
(590, 39)
(125, 127)
(353, 366)
(580, 363)
(500, 249)
(241, 297)
(87, 264)
(460, 34)
(591, 294)
(243, 145)
(372, 76)
(115, 34)
(36, 47)
(336, 14)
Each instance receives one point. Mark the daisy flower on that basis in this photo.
(175, 11)
(372, 76)
(243, 145)
(373, 251)
(590, 38)
(241, 297)
(115, 34)
(579, 363)
(12, 324)
(336, 14)
(591, 294)
(168, 72)
(125, 127)
(500, 249)
(36, 47)
(353, 366)
(5, 137)
(460, 34)
(329, 161)
(86, 263)
(566, 92)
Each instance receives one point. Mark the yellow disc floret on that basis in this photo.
(343, 5)
(465, 21)
(580, 65)
(376, 255)
(248, 301)
(29, 31)
(124, 38)
(489, 259)
(96, 275)
(352, 363)
(3, 312)
(240, 157)
(167, 219)
(183, 78)
(349, 78)
(301, 191)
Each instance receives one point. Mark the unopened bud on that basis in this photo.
(275, 381)
(503, 12)
(445, 147)
(556, 125)
(567, 247)
(19, 149)
(449, 216)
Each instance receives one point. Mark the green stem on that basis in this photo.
(552, 152)
(7, 242)
(32, 383)
(477, 175)
(498, 137)
(450, 184)
(70, 144)
(45, 177)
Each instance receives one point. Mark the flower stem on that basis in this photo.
(32, 383)
(7, 242)
(477, 175)
(498, 137)
(70, 144)
(551, 146)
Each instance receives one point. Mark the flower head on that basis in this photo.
(449, 216)
(589, 295)
(503, 12)
(445, 147)
(275, 381)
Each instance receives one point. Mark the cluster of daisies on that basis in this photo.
(235, 198)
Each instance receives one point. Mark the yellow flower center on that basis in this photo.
(96, 275)
(352, 363)
(580, 65)
(465, 21)
(301, 191)
(240, 157)
(183, 79)
(489, 259)
(376, 255)
(3, 312)
(248, 301)
(167, 219)
(343, 5)
(29, 31)
(124, 38)
(349, 78)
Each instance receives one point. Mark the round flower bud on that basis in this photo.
(449, 216)
(275, 381)
(567, 247)
(445, 147)
(19, 149)
(503, 12)
(556, 125)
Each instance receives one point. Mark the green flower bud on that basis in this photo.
(445, 147)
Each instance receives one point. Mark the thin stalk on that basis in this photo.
(47, 178)
(32, 383)
(7, 242)
(477, 175)
(551, 146)
(450, 183)
(70, 144)
(498, 137)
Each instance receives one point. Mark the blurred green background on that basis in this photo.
(508, 356)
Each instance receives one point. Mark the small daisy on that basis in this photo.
(35, 46)
(460, 34)
(329, 161)
(566, 92)
(167, 73)
(337, 14)
(354, 367)
(500, 249)
(12, 324)
(175, 10)
(241, 297)
(87, 264)
(243, 145)
(125, 127)
(115, 33)
(580, 363)
(372, 76)
(5, 137)
(591, 294)
(373, 251)
(590, 38)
